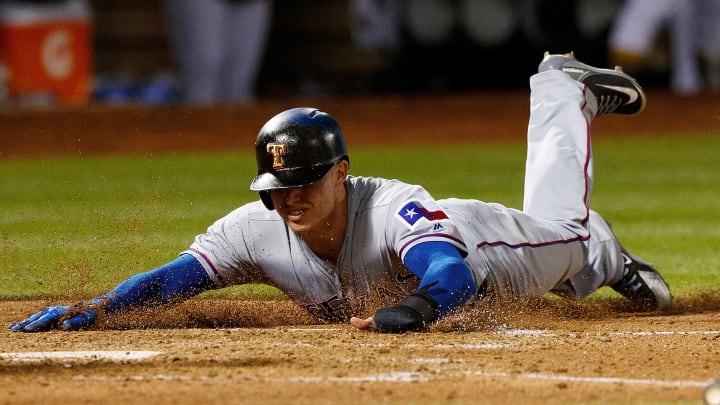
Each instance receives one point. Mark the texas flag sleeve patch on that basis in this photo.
(415, 210)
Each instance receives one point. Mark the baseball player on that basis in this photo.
(638, 25)
(334, 242)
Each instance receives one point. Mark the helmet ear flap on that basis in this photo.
(266, 200)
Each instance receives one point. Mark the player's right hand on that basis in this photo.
(55, 317)
(44, 320)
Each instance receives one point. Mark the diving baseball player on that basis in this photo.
(335, 242)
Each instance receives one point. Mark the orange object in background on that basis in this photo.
(46, 49)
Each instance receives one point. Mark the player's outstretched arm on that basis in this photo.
(446, 284)
(172, 282)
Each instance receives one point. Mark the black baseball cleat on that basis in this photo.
(615, 91)
(643, 285)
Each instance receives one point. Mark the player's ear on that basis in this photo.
(341, 171)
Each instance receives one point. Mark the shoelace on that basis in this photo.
(630, 283)
(609, 103)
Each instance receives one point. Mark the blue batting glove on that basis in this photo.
(44, 320)
(80, 321)
(79, 316)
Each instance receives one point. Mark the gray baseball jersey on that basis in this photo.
(554, 243)
(385, 219)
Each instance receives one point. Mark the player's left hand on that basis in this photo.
(362, 324)
(414, 313)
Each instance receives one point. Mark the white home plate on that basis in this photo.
(119, 355)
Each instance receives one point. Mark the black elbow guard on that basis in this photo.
(414, 313)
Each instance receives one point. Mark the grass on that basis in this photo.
(75, 227)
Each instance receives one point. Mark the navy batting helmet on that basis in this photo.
(296, 147)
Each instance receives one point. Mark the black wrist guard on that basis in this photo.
(414, 313)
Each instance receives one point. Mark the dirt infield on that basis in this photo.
(542, 353)
(426, 120)
(210, 351)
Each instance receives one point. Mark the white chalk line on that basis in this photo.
(503, 330)
(602, 380)
(411, 376)
(157, 377)
(444, 345)
(546, 333)
(415, 377)
(399, 376)
(312, 329)
(396, 376)
(112, 355)
(667, 333)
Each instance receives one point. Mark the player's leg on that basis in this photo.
(565, 96)
(609, 264)
(604, 263)
(558, 172)
(558, 179)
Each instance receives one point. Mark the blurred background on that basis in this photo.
(238, 51)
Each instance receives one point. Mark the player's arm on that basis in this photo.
(446, 283)
(170, 283)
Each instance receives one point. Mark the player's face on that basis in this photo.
(317, 207)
